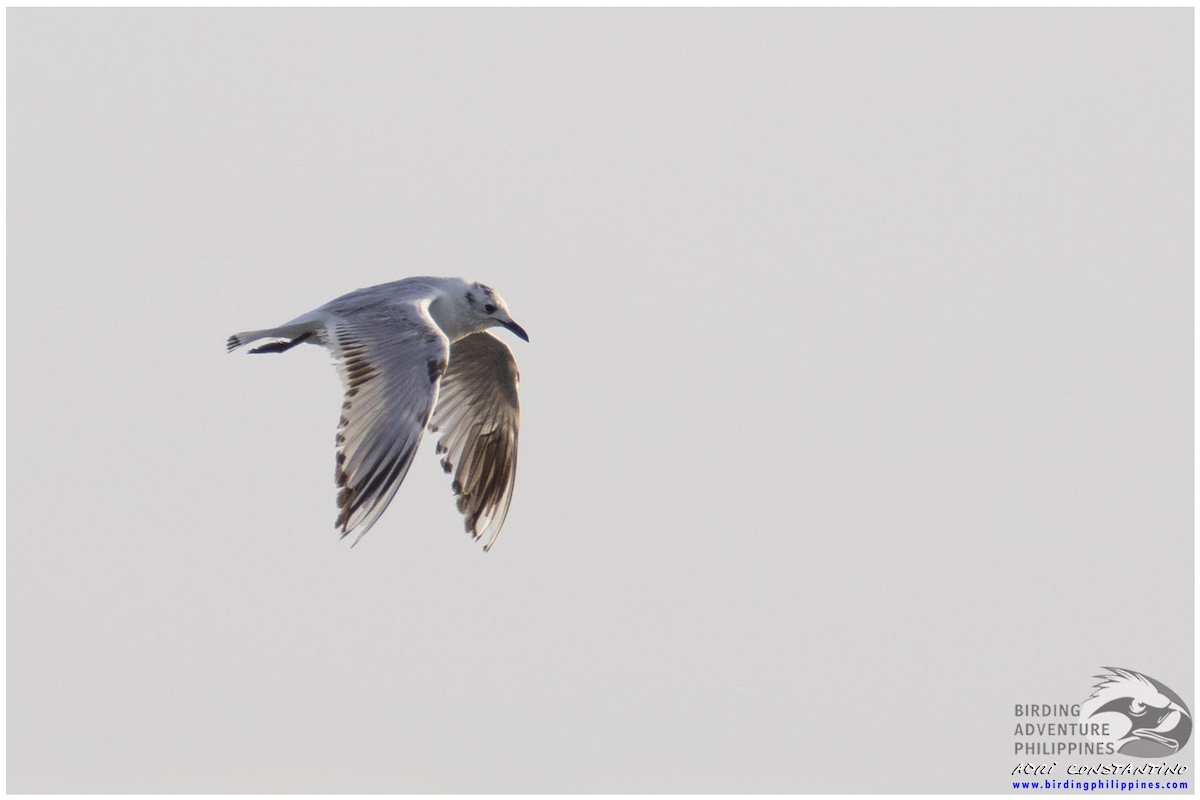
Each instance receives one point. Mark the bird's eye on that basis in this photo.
(1137, 708)
(489, 309)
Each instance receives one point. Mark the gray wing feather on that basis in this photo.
(389, 358)
(478, 414)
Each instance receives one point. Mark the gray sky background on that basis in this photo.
(858, 406)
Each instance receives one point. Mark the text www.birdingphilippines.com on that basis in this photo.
(1103, 786)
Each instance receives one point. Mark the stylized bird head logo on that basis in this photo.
(1144, 717)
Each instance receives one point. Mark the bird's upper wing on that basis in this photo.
(390, 358)
(478, 414)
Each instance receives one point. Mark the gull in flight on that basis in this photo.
(415, 354)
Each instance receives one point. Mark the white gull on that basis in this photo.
(414, 354)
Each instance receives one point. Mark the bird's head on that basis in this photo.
(1144, 717)
(467, 307)
(488, 309)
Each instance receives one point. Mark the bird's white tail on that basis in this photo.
(246, 337)
(292, 332)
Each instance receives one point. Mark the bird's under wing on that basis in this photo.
(390, 359)
(478, 415)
